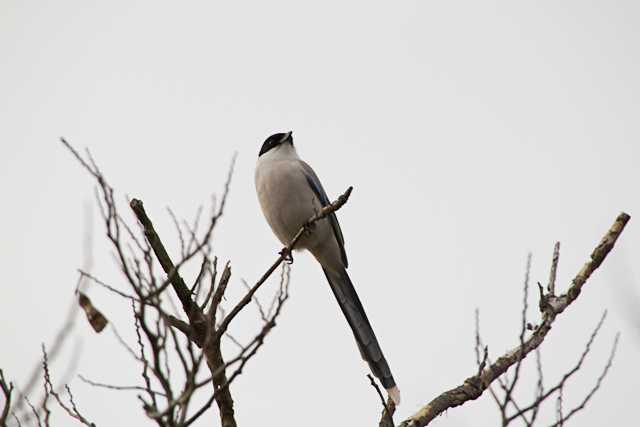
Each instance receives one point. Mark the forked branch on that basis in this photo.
(551, 306)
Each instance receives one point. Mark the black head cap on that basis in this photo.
(275, 140)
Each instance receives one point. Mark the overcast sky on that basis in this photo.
(472, 132)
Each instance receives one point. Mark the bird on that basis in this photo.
(290, 193)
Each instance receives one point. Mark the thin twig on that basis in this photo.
(118, 387)
(7, 390)
(386, 413)
(595, 388)
(49, 390)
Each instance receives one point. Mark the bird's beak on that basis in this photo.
(287, 136)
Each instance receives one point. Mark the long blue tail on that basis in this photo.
(366, 339)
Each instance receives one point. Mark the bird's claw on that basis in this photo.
(310, 227)
(288, 256)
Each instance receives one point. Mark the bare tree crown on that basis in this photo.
(179, 351)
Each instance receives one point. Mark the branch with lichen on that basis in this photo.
(551, 306)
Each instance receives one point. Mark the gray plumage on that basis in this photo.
(290, 192)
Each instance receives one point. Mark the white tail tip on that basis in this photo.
(394, 394)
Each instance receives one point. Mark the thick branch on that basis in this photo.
(194, 313)
(474, 386)
(220, 386)
(178, 284)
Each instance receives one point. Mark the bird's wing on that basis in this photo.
(316, 186)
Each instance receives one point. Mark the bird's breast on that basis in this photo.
(286, 199)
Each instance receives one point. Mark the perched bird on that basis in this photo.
(290, 193)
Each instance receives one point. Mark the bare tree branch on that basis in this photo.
(7, 390)
(200, 327)
(595, 388)
(560, 385)
(49, 390)
(387, 418)
(552, 306)
(551, 286)
(204, 323)
(116, 387)
(523, 329)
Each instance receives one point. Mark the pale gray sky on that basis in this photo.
(473, 132)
